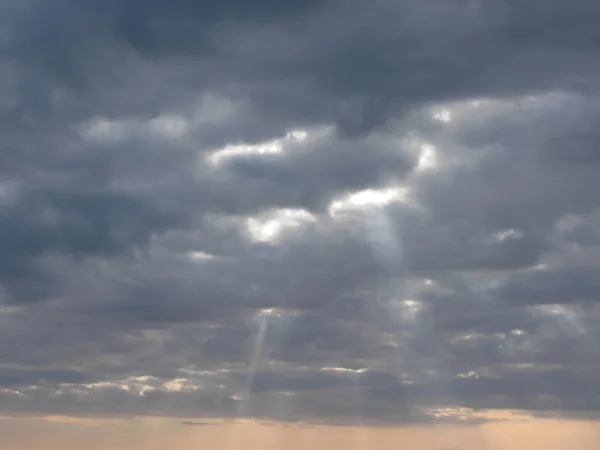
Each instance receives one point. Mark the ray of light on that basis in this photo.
(244, 405)
(387, 246)
(263, 320)
(384, 242)
(360, 425)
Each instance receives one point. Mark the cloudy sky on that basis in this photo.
(301, 217)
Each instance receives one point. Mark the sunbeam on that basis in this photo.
(244, 406)
(257, 348)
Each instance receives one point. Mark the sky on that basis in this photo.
(299, 222)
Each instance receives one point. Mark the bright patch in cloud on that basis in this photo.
(269, 312)
(269, 227)
(568, 318)
(408, 310)
(505, 235)
(180, 385)
(170, 126)
(200, 256)
(427, 158)
(367, 198)
(101, 128)
(274, 146)
(343, 370)
(424, 152)
(443, 115)
(166, 126)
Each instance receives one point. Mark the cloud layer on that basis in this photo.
(324, 210)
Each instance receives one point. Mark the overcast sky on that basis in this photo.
(344, 212)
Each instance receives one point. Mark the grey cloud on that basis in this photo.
(131, 281)
(563, 286)
(46, 222)
(354, 73)
(12, 377)
(305, 176)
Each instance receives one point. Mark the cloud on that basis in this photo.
(319, 211)
(195, 424)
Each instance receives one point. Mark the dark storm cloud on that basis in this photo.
(183, 232)
(344, 61)
(155, 27)
(73, 223)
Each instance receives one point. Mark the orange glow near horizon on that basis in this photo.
(54, 433)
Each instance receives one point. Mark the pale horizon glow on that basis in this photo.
(64, 433)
